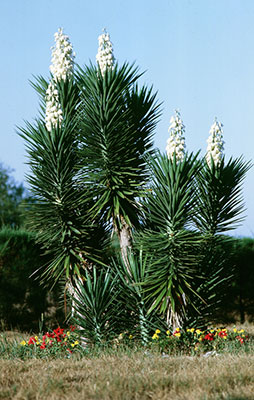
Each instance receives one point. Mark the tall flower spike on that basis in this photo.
(62, 57)
(53, 109)
(215, 144)
(61, 68)
(176, 141)
(105, 57)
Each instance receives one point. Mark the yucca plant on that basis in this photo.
(132, 296)
(220, 204)
(117, 122)
(219, 209)
(191, 204)
(111, 302)
(97, 312)
(59, 216)
(87, 158)
(168, 237)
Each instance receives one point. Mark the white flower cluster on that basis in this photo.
(53, 109)
(105, 57)
(176, 141)
(62, 57)
(61, 67)
(215, 145)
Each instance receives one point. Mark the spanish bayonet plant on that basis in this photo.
(98, 181)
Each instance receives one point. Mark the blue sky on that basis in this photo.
(198, 55)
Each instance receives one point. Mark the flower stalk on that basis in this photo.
(176, 142)
(61, 68)
(215, 144)
(105, 57)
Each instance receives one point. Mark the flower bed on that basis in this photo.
(63, 343)
(50, 343)
(196, 341)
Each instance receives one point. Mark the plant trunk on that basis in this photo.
(125, 240)
(143, 324)
(74, 294)
(175, 318)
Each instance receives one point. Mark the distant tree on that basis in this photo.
(12, 198)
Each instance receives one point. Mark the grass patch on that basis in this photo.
(135, 376)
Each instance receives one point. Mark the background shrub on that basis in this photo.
(22, 298)
(238, 302)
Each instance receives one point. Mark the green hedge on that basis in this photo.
(242, 289)
(238, 303)
(22, 299)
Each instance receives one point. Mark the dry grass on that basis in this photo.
(126, 378)
(132, 376)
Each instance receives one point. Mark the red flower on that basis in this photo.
(43, 346)
(223, 334)
(59, 331)
(72, 328)
(31, 340)
(241, 340)
(209, 336)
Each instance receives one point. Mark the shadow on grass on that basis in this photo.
(238, 398)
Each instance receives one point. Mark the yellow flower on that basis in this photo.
(168, 333)
(157, 331)
(191, 330)
(177, 334)
(243, 335)
(198, 331)
(36, 338)
(211, 330)
(155, 336)
(177, 330)
(68, 333)
(241, 331)
(130, 336)
(23, 343)
(75, 343)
